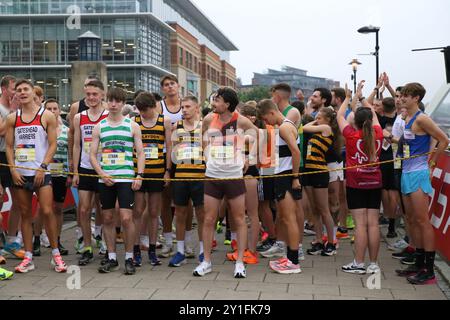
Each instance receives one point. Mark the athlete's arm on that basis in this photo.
(251, 133)
(324, 129)
(205, 138)
(93, 157)
(430, 127)
(159, 107)
(137, 134)
(76, 149)
(295, 116)
(16, 176)
(2, 127)
(342, 122)
(49, 122)
(289, 135)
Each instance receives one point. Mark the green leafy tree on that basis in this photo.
(257, 94)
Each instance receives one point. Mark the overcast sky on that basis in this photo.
(321, 36)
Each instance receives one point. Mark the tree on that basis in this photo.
(256, 94)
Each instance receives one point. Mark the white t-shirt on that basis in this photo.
(398, 128)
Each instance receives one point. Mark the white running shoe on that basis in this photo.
(398, 246)
(239, 271)
(166, 251)
(103, 248)
(276, 251)
(354, 268)
(373, 268)
(189, 252)
(301, 254)
(203, 269)
(44, 240)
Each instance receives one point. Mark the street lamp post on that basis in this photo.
(354, 63)
(372, 29)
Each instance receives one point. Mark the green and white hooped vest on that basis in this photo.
(61, 157)
(117, 144)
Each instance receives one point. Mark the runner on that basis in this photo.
(12, 246)
(287, 189)
(416, 184)
(60, 181)
(83, 125)
(31, 143)
(156, 130)
(117, 137)
(363, 146)
(325, 131)
(91, 99)
(170, 107)
(223, 133)
(188, 156)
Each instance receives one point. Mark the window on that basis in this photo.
(181, 56)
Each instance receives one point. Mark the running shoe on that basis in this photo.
(399, 245)
(342, 234)
(189, 252)
(391, 235)
(249, 257)
(177, 260)
(137, 259)
(265, 245)
(110, 266)
(329, 250)
(219, 228)
(36, 247)
(276, 251)
(44, 240)
(86, 257)
(129, 267)
(409, 260)
(286, 267)
(354, 268)
(423, 278)
(98, 241)
(350, 224)
(227, 242)
(58, 264)
(316, 249)
(166, 252)
(5, 274)
(105, 259)
(154, 261)
(308, 230)
(408, 272)
(14, 250)
(63, 251)
(278, 261)
(79, 246)
(203, 269)
(231, 256)
(239, 271)
(301, 254)
(373, 268)
(103, 249)
(234, 245)
(25, 266)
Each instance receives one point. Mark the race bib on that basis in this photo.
(406, 151)
(188, 153)
(87, 145)
(113, 158)
(151, 151)
(26, 154)
(309, 150)
(222, 152)
(56, 166)
(409, 135)
(397, 163)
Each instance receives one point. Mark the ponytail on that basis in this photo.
(369, 140)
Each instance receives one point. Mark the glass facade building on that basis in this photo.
(39, 40)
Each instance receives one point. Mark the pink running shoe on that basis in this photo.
(286, 268)
(25, 266)
(58, 263)
(278, 261)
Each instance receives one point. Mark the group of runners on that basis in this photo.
(272, 168)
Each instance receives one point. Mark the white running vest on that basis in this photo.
(30, 143)
(86, 127)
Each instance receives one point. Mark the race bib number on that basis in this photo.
(26, 154)
(151, 151)
(222, 152)
(56, 166)
(113, 158)
(188, 153)
(406, 151)
(409, 135)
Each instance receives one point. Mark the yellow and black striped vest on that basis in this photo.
(188, 153)
(153, 144)
(318, 147)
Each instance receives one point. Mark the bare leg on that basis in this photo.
(237, 206)
(45, 196)
(251, 203)
(361, 240)
(373, 233)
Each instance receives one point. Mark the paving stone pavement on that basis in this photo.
(321, 279)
